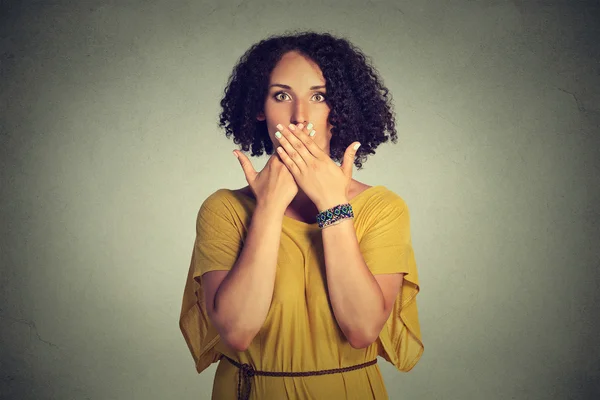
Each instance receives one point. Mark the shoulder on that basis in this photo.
(232, 205)
(223, 198)
(381, 198)
(223, 209)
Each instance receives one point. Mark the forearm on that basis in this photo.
(355, 295)
(244, 297)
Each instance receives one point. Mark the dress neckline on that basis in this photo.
(314, 225)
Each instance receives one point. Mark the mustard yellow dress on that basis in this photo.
(300, 332)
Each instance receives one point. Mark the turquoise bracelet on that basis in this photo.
(334, 215)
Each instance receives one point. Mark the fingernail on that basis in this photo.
(235, 154)
(309, 126)
(312, 133)
(280, 127)
(300, 126)
(292, 127)
(356, 146)
(278, 135)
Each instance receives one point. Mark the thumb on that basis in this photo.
(247, 167)
(348, 160)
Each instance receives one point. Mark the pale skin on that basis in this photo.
(298, 181)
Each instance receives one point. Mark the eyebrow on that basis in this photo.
(289, 88)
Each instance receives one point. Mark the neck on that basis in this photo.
(302, 206)
(301, 200)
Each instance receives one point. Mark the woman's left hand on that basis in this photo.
(323, 181)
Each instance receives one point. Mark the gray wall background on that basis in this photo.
(109, 144)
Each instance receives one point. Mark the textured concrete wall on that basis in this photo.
(109, 144)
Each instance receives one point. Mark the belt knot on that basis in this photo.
(247, 370)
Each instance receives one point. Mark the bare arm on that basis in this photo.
(361, 302)
(238, 300)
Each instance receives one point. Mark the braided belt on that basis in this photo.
(247, 372)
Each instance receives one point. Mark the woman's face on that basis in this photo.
(297, 95)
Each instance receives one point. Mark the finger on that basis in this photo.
(288, 162)
(247, 167)
(348, 160)
(304, 135)
(293, 146)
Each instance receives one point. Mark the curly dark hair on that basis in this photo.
(360, 106)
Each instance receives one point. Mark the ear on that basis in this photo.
(261, 116)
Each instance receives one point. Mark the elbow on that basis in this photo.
(236, 339)
(361, 344)
(239, 342)
(238, 346)
(366, 335)
(361, 340)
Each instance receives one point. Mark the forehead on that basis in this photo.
(296, 70)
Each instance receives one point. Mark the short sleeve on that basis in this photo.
(387, 248)
(216, 247)
(218, 237)
(386, 243)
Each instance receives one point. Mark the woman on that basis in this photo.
(292, 305)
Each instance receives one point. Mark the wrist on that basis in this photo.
(273, 208)
(335, 215)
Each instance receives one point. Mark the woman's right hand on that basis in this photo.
(274, 185)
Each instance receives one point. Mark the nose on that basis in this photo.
(299, 114)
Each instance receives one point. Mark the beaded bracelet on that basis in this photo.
(334, 215)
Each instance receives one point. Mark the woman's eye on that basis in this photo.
(321, 96)
(278, 96)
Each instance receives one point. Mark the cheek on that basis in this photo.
(276, 115)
